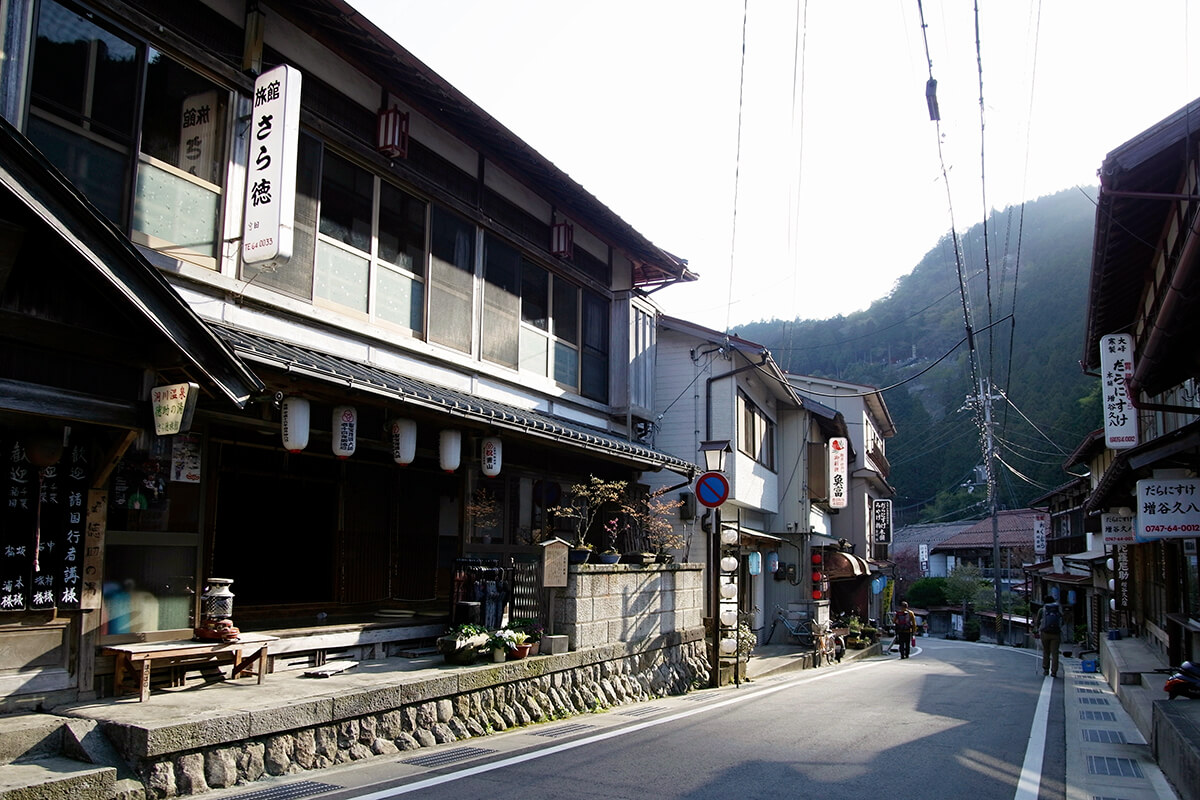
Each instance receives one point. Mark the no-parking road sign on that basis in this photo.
(712, 489)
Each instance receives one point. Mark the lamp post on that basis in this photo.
(714, 461)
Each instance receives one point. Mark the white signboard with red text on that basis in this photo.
(1116, 370)
(839, 462)
(1041, 522)
(1117, 529)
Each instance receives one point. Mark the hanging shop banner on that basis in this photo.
(269, 219)
(174, 406)
(1121, 577)
(881, 521)
(1040, 524)
(1168, 508)
(838, 471)
(1116, 369)
(923, 555)
(1117, 529)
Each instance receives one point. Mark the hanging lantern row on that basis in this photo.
(295, 422)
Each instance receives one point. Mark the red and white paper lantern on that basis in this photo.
(345, 431)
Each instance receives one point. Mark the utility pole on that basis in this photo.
(985, 396)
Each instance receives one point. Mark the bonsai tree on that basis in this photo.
(584, 503)
(482, 512)
(648, 521)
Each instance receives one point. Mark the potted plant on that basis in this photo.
(610, 554)
(533, 631)
(508, 643)
(584, 502)
(649, 523)
(461, 644)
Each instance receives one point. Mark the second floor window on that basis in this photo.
(756, 432)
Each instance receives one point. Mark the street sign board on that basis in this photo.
(712, 489)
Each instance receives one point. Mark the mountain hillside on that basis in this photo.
(1027, 302)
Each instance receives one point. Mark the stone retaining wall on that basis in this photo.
(628, 603)
(503, 696)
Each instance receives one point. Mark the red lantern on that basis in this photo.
(816, 594)
(818, 577)
(816, 558)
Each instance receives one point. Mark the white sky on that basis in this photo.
(839, 184)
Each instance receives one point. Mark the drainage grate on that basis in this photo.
(1094, 701)
(1103, 736)
(1083, 690)
(1117, 767)
(447, 756)
(287, 791)
(700, 698)
(1098, 716)
(564, 730)
(1105, 797)
(640, 712)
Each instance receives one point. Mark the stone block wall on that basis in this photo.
(603, 604)
(388, 719)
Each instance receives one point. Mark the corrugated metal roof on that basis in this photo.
(258, 348)
(1014, 529)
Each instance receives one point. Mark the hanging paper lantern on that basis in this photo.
(729, 617)
(754, 563)
(404, 441)
(293, 423)
(345, 431)
(816, 558)
(450, 449)
(817, 594)
(772, 562)
(728, 591)
(490, 456)
(817, 577)
(728, 647)
(729, 564)
(729, 536)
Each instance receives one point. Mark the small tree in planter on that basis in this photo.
(483, 513)
(584, 502)
(648, 522)
(462, 643)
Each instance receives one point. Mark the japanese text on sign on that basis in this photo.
(1117, 529)
(1040, 521)
(270, 203)
(1168, 508)
(838, 461)
(881, 521)
(1116, 368)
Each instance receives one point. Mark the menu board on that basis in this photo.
(41, 528)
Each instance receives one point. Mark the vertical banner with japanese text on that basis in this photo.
(881, 521)
(1116, 368)
(269, 222)
(839, 462)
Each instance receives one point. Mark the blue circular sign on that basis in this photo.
(712, 489)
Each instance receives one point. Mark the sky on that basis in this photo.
(803, 179)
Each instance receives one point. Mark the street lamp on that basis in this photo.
(724, 591)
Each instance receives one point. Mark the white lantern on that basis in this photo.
(729, 617)
(728, 591)
(729, 536)
(1112, 603)
(450, 449)
(490, 456)
(293, 423)
(729, 563)
(404, 441)
(1112, 585)
(728, 647)
(345, 431)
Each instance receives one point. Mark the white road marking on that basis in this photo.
(1030, 782)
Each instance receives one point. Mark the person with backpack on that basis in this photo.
(1047, 627)
(905, 623)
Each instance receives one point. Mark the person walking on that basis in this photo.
(905, 623)
(1047, 628)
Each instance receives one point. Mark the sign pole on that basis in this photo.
(714, 566)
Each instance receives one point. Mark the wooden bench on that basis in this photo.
(250, 649)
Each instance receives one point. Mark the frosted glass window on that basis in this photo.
(535, 349)
(176, 211)
(451, 280)
(566, 364)
(342, 277)
(401, 299)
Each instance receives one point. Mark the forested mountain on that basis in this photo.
(912, 343)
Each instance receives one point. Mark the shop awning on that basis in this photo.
(751, 536)
(353, 375)
(844, 565)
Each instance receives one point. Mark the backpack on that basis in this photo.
(1051, 619)
(903, 621)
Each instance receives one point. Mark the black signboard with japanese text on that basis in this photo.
(41, 554)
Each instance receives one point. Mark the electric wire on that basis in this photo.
(737, 165)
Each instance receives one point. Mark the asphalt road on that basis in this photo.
(954, 721)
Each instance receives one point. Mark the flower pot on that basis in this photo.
(534, 648)
(498, 655)
(605, 558)
(578, 555)
(665, 558)
(518, 652)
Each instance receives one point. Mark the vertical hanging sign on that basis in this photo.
(1040, 522)
(838, 472)
(1121, 577)
(1116, 369)
(269, 220)
(881, 521)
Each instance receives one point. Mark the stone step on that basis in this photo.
(56, 778)
(28, 736)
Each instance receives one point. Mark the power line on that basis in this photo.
(737, 166)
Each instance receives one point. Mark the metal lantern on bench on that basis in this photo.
(216, 610)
